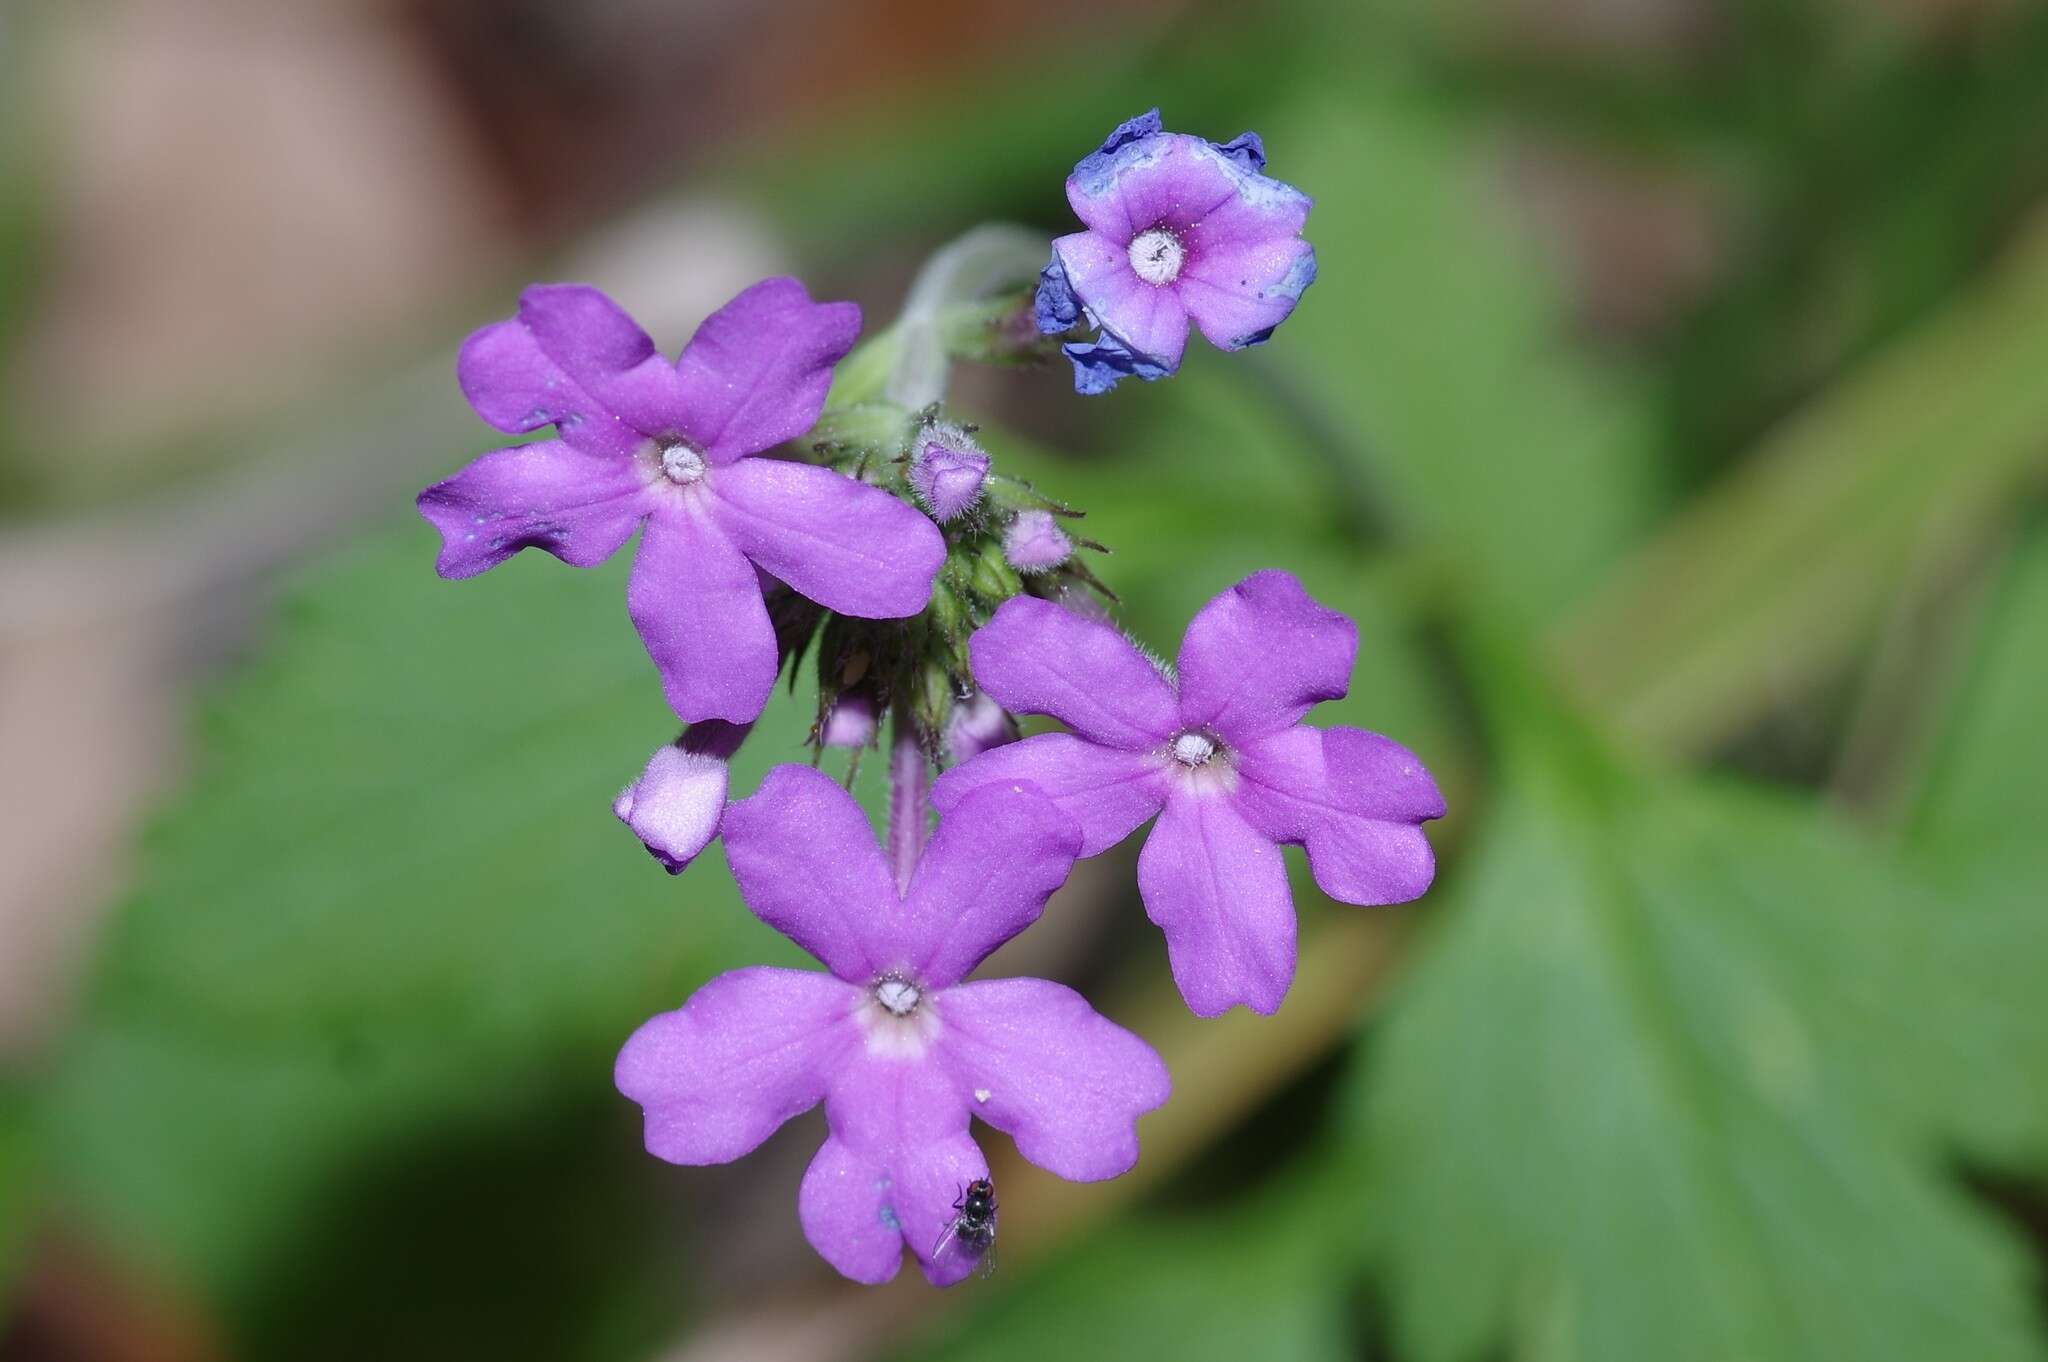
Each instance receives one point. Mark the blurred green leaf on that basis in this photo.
(16, 1188)
(1769, 581)
(1978, 838)
(1436, 342)
(355, 1029)
(1649, 1093)
(1254, 1281)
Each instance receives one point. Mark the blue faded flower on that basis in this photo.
(1179, 230)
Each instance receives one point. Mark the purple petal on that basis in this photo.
(1104, 362)
(1248, 149)
(603, 352)
(547, 495)
(1106, 790)
(1256, 209)
(756, 372)
(1218, 888)
(848, 546)
(1103, 161)
(1238, 293)
(1035, 657)
(984, 877)
(697, 604)
(1379, 778)
(1065, 1082)
(749, 1050)
(513, 385)
(1179, 182)
(898, 1159)
(1355, 800)
(807, 864)
(845, 1208)
(1260, 655)
(1148, 318)
(1054, 307)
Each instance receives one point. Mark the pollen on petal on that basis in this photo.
(681, 463)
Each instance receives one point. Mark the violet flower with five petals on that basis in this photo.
(639, 440)
(1179, 230)
(1222, 757)
(899, 1050)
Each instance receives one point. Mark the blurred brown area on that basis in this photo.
(244, 196)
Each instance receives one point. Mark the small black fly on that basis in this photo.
(973, 1231)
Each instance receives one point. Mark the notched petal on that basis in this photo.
(848, 546)
(1036, 657)
(602, 350)
(546, 495)
(807, 864)
(998, 855)
(1261, 655)
(1218, 888)
(1107, 790)
(898, 1160)
(697, 604)
(1064, 1081)
(749, 1050)
(1355, 800)
(757, 371)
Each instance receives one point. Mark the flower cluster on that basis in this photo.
(942, 596)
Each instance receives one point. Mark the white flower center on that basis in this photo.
(680, 463)
(1157, 256)
(1193, 749)
(900, 996)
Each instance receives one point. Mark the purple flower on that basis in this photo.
(1224, 760)
(639, 440)
(1036, 543)
(1179, 230)
(948, 472)
(897, 1048)
(675, 805)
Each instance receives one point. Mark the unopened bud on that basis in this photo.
(1036, 543)
(675, 805)
(975, 725)
(849, 723)
(948, 472)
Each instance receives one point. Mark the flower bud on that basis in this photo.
(849, 723)
(948, 472)
(975, 725)
(1036, 543)
(675, 806)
